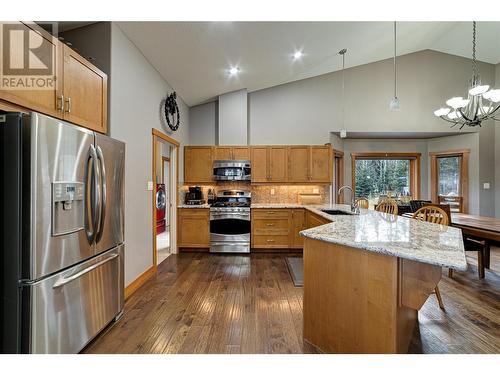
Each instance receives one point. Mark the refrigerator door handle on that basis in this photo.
(65, 280)
(100, 157)
(94, 205)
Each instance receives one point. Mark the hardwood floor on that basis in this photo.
(203, 303)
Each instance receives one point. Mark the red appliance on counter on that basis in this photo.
(161, 206)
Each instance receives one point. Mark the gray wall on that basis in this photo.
(308, 110)
(203, 124)
(497, 151)
(233, 118)
(136, 91)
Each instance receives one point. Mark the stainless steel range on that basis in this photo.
(230, 222)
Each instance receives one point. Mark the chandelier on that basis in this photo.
(481, 103)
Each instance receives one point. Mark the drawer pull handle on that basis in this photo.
(270, 212)
(270, 225)
(270, 240)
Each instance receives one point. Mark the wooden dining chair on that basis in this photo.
(436, 215)
(362, 202)
(389, 206)
(415, 204)
(456, 202)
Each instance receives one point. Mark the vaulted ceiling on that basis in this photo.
(194, 57)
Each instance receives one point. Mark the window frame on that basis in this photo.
(464, 174)
(414, 158)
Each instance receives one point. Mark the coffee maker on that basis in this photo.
(194, 196)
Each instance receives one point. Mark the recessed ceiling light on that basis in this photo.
(297, 55)
(234, 70)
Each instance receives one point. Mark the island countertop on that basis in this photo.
(391, 235)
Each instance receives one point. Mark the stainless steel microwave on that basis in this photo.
(231, 170)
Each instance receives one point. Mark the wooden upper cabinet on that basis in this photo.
(223, 153)
(43, 101)
(79, 94)
(278, 164)
(321, 164)
(260, 163)
(198, 164)
(241, 153)
(232, 153)
(85, 92)
(298, 163)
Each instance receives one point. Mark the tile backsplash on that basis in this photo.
(263, 193)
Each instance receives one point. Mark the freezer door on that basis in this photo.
(57, 162)
(70, 308)
(111, 155)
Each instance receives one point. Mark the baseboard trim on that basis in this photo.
(140, 281)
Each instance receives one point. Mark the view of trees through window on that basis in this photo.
(449, 175)
(375, 177)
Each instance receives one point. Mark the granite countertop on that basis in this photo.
(392, 235)
(206, 205)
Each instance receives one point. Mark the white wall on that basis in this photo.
(233, 118)
(136, 92)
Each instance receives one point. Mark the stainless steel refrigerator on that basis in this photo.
(62, 234)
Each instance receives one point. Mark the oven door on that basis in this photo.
(230, 232)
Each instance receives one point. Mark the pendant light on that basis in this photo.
(395, 104)
(342, 52)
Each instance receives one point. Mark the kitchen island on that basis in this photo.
(367, 275)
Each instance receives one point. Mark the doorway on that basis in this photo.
(164, 173)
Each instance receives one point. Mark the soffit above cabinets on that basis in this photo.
(194, 57)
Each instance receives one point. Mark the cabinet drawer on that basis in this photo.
(193, 212)
(280, 241)
(270, 213)
(271, 225)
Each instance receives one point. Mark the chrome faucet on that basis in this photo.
(354, 205)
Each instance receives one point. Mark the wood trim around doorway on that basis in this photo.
(176, 144)
(464, 174)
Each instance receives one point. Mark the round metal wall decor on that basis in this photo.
(172, 115)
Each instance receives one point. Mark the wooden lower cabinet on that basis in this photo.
(279, 228)
(193, 228)
(298, 224)
(313, 220)
(271, 228)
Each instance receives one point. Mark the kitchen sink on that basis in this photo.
(337, 212)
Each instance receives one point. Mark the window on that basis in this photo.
(385, 174)
(449, 178)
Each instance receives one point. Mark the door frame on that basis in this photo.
(173, 188)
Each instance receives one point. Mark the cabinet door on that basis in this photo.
(46, 100)
(193, 228)
(260, 169)
(85, 92)
(298, 224)
(241, 153)
(321, 164)
(198, 164)
(278, 164)
(298, 163)
(223, 153)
